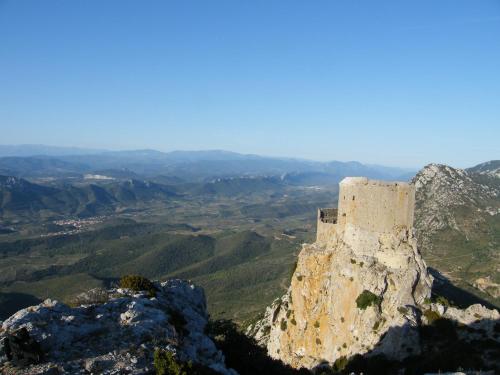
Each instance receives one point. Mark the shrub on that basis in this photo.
(431, 316)
(300, 277)
(353, 261)
(318, 341)
(137, 283)
(340, 364)
(283, 325)
(316, 324)
(366, 299)
(403, 310)
(165, 363)
(443, 301)
(293, 321)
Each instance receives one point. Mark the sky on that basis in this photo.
(399, 83)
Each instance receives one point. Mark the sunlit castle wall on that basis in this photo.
(377, 206)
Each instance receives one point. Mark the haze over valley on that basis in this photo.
(73, 222)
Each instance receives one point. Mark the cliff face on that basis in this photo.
(362, 287)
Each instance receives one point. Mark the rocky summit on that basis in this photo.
(457, 221)
(112, 332)
(362, 288)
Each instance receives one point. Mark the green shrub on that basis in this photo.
(431, 316)
(318, 341)
(353, 261)
(165, 363)
(137, 283)
(403, 310)
(293, 321)
(443, 301)
(299, 278)
(316, 324)
(340, 364)
(283, 325)
(366, 299)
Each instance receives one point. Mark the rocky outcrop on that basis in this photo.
(440, 190)
(457, 214)
(323, 316)
(119, 334)
(361, 288)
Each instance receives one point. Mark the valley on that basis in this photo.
(236, 235)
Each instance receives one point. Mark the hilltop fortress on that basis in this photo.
(362, 276)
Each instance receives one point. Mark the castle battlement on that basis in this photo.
(372, 205)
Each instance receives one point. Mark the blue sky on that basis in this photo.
(399, 83)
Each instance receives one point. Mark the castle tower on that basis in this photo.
(371, 205)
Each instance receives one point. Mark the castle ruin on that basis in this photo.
(371, 205)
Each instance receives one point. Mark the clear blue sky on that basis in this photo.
(389, 82)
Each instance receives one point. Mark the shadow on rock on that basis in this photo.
(243, 354)
(445, 346)
(458, 296)
(12, 302)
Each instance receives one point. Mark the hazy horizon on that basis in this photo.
(91, 151)
(387, 83)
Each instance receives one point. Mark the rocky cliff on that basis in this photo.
(113, 331)
(361, 289)
(457, 221)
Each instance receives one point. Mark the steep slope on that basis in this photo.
(457, 219)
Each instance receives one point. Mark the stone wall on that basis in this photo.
(376, 206)
(326, 224)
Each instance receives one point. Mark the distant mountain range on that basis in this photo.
(43, 161)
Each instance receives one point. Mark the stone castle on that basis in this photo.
(371, 205)
(365, 247)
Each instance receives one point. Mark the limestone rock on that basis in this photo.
(115, 336)
(363, 275)
(362, 287)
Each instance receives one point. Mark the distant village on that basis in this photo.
(74, 226)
